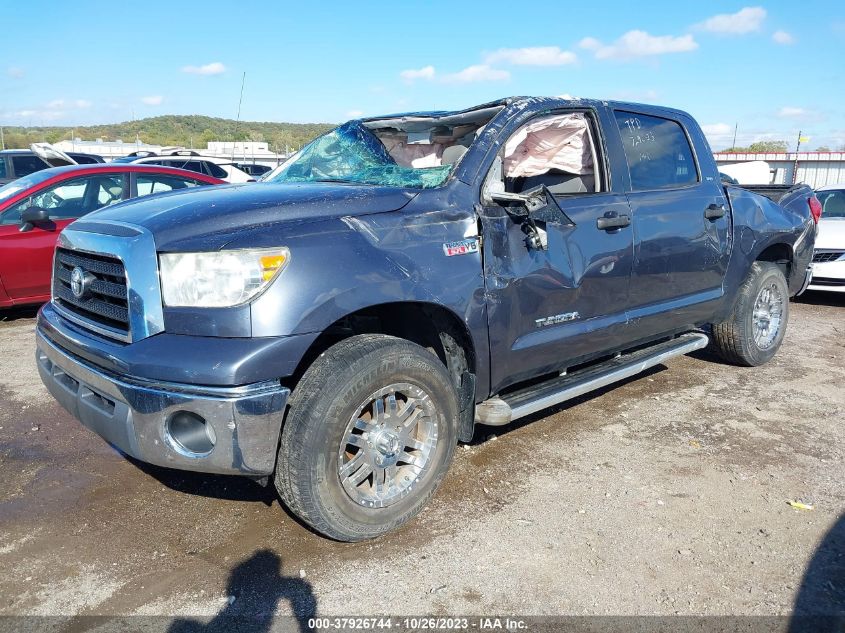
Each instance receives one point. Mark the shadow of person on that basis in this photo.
(820, 603)
(255, 588)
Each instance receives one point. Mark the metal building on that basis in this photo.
(813, 168)
(241, 151)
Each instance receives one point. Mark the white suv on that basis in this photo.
(208, 165)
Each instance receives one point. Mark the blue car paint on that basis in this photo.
(356, 246)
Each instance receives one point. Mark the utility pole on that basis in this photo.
(795, 165)
(736, 127)
(238, 120)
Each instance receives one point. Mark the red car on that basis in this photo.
(35, 208)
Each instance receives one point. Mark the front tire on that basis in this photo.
(755, 329)
(370, 433)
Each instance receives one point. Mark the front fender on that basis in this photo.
(343, 266)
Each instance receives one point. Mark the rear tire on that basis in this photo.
(370, 433)
(755, 329)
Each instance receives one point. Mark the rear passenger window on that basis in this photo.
(2, 167)
(214, 170)
(148, 184)
(83, 160)
(26, 165)
(657, 150)
(190, 165)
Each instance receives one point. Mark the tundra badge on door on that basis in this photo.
(557, 318)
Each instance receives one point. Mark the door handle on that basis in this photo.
(610, 222)
(715, 211)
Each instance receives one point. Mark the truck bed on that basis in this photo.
(772, 192)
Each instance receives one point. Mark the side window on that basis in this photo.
(149, 184)
(833, 203)
(657, 150)
(190, 165)
(83, 160)
(557, 151)
(2, 167)
(109, 190)
(26, 165)
(72, 198)
(214, 170)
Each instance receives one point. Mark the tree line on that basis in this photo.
(182, 130)
(773, 147)
(197, 130)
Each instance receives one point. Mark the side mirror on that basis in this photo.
(538, 204)
(32, 216)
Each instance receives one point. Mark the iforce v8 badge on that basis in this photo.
(462, 247)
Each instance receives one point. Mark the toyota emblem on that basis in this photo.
(78, 282)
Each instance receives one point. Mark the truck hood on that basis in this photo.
(50, 155)
(831, 233)
(209, 217)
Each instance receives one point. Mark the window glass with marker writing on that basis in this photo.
(657, 150)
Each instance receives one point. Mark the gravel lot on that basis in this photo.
(665, 495)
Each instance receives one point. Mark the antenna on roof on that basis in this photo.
(238, 120)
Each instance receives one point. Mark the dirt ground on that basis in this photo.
(664, 495)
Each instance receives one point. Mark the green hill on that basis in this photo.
(187, 130)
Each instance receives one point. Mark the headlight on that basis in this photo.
(218, 280)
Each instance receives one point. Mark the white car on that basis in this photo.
(210, 166)
(829, 256)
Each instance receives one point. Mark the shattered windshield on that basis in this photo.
(351, 153)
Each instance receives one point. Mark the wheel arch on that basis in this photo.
(430, 325)
(779, 253)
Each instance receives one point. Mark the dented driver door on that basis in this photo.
(548, 307)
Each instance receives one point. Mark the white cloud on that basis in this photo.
(58, 104)
(214, 68)
(152, 100)
(783, 37)
(410, 75)
(532, 56)
(354, 114)
(14, 72)
(639, 44)
(719, 135)
(717, 129)
(745, 20)
(788, 112)
(33, 116)
(52, 111)
(589, 43)
(477, 73)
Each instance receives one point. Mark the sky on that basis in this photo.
(772, 69)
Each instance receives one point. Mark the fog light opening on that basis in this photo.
(190, 434)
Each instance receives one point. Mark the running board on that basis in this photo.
(512, 406)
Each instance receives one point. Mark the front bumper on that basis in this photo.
(828, 276)
(132, 414)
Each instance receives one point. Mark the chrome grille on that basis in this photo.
(820, 257)
(105, 301)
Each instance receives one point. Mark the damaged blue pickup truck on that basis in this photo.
(341, 326)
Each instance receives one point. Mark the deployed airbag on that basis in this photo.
(556, 142)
